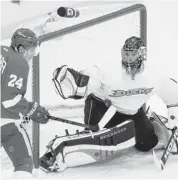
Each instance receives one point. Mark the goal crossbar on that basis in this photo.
(128, 10)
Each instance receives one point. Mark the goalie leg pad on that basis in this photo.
(88, 147)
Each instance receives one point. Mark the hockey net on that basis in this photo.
(94, 38)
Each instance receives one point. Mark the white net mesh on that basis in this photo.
(98, 45)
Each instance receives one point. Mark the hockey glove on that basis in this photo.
(69, 83)
(37, 113)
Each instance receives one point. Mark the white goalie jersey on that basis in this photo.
(129, 95)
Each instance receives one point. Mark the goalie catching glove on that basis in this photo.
(69, 83)
(36, 113)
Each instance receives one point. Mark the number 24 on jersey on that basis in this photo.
(15, 81)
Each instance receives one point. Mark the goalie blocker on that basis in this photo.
(87, 147)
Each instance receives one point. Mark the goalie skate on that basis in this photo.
(87, 147)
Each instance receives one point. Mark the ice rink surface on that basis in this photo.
(127, 164)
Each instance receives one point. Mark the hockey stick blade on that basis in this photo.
(157, 161)
(172, 141)
(91, 127)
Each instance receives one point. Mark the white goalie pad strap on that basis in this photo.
(107, 116)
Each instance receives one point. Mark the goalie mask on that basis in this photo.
(69, 83)
(133, 54)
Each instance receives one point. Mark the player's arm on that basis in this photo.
(97, 83)
(13, 100)
(89, 82)
(69, 83)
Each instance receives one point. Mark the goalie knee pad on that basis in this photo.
(87, 147)
(148, 143)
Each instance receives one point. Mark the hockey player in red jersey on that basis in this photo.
(14, 75)
(109, 104)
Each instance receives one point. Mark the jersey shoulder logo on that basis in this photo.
(130, 92)
(2, 64)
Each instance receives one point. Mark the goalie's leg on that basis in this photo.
(87, 147)
(96, 112)
(146, 138)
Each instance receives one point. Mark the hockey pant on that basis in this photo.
(145, 135)
(15, 142)
(87, 147)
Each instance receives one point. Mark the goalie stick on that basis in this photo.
(172, 141)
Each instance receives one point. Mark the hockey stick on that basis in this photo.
(106, 117)
(91, 127)
(173, 140)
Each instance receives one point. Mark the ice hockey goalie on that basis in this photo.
(87, 147)
(127, 90)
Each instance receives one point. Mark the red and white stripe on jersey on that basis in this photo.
(12, 102)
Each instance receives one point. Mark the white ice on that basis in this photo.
(127, 164)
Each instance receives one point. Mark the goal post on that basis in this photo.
(72, 29)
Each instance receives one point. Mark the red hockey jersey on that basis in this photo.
(14, 76)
